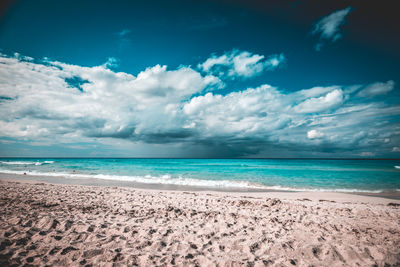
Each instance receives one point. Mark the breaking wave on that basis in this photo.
(37, 163)
(180, 181)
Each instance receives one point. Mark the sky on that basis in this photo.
(199, 78)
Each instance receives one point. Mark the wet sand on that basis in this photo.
(79, 225)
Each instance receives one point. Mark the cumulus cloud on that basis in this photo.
(378, 88)
(328, 28)
(319, 104)
(69, 103)
(240, 64)
(110, 104)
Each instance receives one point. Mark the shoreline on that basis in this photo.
(333, 197)
(392, 195)
(80, 225)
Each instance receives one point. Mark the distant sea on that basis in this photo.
(345, 175)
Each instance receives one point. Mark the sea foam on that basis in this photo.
(180, 181)
(37, 163)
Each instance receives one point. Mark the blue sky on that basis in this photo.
(199, 79)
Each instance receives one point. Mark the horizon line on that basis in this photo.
(288, 158)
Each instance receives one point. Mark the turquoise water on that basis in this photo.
(290, 174)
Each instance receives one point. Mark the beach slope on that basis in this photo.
(75, 225)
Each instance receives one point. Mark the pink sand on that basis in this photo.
(75, 225)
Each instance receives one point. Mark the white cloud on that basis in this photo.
(314, 134)
(38, 102)
(328, 28)
(274, 61)
(312, 105)
(111, 62)
(240, 64)
(247, 113)
(111, 104)
(395, 149)
(214, 61)
(246, 65)
(377, 89)
(315, 91)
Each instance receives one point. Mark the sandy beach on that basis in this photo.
(76, 225)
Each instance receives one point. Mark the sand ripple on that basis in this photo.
(67, 225)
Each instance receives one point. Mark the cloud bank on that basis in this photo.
(48, 100)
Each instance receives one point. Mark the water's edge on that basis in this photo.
(242, 175)
(113, 183)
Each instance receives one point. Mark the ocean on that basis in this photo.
(342, 175)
